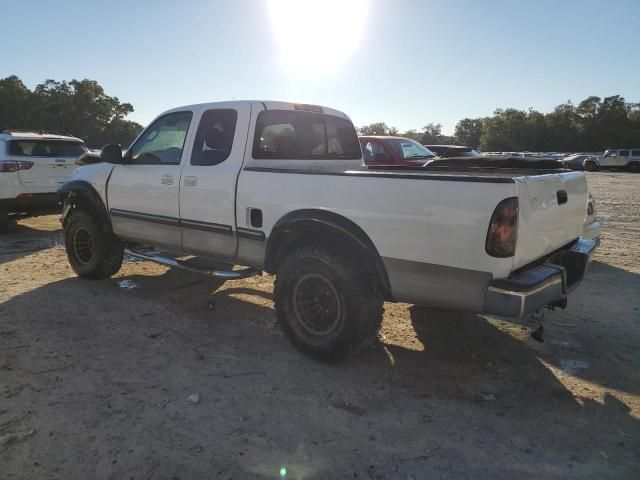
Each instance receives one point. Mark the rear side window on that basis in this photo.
(635, 153)
(374, 152)
(624, 153)
(283, 134)
(342, 139)
(46, 148)
(214, 138)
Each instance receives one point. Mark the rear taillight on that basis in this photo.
(502, 235)
(9, 166)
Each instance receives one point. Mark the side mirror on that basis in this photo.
(88, 158)
(112, 154)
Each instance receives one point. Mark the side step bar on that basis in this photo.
(172, 262)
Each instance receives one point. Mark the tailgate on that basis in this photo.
(47, 172)
(553, 208)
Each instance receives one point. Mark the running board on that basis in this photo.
(172, 262)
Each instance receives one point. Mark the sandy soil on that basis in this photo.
(95, 377)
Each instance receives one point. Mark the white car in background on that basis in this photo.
(622, 158)
(32, 168)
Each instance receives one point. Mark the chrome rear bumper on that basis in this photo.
(543, 285)
(593, 231)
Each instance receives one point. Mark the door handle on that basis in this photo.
(190, 181)
(562, 197)
(166, 179)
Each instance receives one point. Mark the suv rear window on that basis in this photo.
(284, 134)
(46, 148)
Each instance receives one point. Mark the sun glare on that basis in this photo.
(317, 36)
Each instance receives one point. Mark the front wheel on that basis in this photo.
(325, 308)
(92, 252)
(590, 167)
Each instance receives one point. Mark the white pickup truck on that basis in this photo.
(281, 188)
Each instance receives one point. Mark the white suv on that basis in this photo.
(621, 158)
(32, 168)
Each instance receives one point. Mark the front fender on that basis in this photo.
(81, 194)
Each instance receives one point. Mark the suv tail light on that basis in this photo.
(502, 235)
(9, 166)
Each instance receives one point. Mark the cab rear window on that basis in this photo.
(284, 134)
(46, 148)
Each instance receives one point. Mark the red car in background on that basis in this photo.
(383, 150)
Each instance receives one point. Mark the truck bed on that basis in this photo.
(546, 221)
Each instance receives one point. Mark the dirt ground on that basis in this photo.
(95, 377)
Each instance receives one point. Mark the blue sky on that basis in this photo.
(409, 62)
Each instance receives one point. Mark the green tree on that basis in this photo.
(431, 134)
(377, 128)
(79, 107)
(468, 131)
(412, 134)
(15, 103)
(562, 132)
(613, 123)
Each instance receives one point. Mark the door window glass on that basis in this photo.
(162, 143)
(635, 153)
(214, 138)
(624, 153)
(410, 149)
(374, 152)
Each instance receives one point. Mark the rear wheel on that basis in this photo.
(634, 167)
(590, 166)
(92, 252)
(325, 308)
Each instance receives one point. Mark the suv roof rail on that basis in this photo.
(39, 131)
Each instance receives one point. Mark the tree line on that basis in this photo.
(80, 108)
(83, 109)
(593, 125)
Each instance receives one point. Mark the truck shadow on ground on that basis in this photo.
(184, 332)
(471, 357)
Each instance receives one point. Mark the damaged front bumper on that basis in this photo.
(547, 284)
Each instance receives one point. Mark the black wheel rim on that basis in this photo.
(83, 245)
(316, 304)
